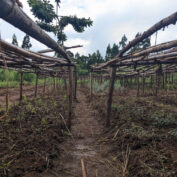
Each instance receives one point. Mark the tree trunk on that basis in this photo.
(11, 13)
(110, 94)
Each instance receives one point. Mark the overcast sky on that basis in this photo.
(111, 20)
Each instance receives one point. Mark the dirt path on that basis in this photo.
(86, 131)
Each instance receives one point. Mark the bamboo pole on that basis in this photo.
(110, 94)
(21, 86)
(36, 85)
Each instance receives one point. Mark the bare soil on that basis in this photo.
(84, 143)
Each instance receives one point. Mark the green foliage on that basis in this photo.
(26, 42)
(173, 132)
(43, 10)
(141, 45)
(78, 23)
(123, 42)
(14, 40)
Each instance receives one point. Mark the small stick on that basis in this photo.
(83, 168)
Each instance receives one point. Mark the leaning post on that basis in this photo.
(110, 94)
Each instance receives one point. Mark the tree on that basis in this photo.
(123, 42)
(26, 42)
(14, 40)
(141, 45)
(44, 12)
(114, 50)
(108, 53)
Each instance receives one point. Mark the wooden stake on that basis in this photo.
(69, 97)
(36, 86)
(83, 168)
(138, 86)
(143, 82)
(91, 85)
(110, 94)
(21, 86)
(44, 85)
(75, 87)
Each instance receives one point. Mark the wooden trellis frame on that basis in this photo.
(143, 63)
(26, 61)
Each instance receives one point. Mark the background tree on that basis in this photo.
(14, 40)
(26, 42)
(141, 45)
(44, 12)
(123, 42)
(114, 50)
(108, 53)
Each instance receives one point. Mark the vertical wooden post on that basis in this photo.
(44, 84)
(36, 85)
(54, 86)
(163, 81)
(21, 86)
(75, 87)
(143, 82)
(172, 78)
(69, 97)
(91, 84)
(65, 83)
(110, 94)
(138, 86)
(156, 85)
(151, 81)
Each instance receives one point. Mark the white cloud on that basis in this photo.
(78, 41)
(112, 19)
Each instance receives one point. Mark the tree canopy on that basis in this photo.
(14, 40)
(26, 42)
(44, 11)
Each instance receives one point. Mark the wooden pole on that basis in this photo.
(91, 84)
(44, 85)
(172, 78)
(21, 86)
(36, 86)
(54, 86)
(83, 168)
(138, 86)
(75, 87)
(69, 97)
(156, 85)
(143, 83)
(110, 94)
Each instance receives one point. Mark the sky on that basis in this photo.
(111, 20)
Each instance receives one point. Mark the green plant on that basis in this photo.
(173, 132)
